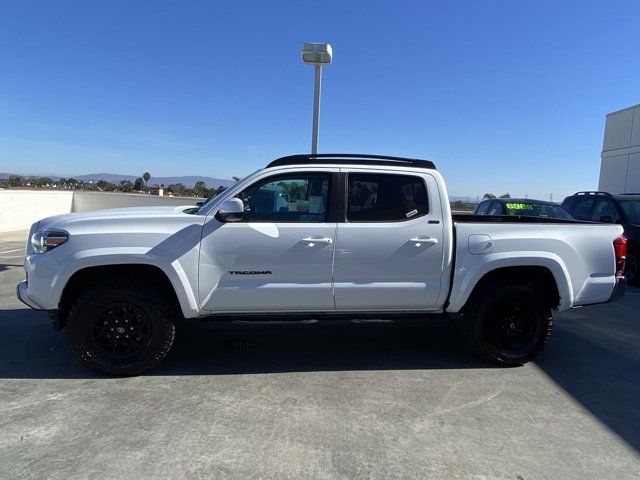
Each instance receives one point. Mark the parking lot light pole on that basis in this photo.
(318, 55)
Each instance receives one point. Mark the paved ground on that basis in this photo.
(335, 403)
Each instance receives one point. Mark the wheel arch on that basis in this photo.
(87, 276)
(540, 278)
(545, 274)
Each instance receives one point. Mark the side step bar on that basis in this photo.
(331, 320)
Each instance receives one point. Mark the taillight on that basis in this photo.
(620, 247)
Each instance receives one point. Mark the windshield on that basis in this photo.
(534, 209)
(631, 210)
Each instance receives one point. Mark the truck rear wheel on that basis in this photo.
(121, 327)
(507, 324)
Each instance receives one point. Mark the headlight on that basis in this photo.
(45, 241)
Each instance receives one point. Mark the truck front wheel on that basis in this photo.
(121, 327)
(507, 324)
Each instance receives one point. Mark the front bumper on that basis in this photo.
(21, 293)
(619, 290)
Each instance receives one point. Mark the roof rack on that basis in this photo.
(351, 158)
(587, 192)
(629, 194)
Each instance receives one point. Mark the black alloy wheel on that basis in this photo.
(122, 327)
(511, 327)
(506, 323)
(120, 331)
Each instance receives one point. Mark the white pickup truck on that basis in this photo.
(315, 237)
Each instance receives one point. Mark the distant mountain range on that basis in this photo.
(187, 181)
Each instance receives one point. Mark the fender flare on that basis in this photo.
(466, 279)
(185, 292)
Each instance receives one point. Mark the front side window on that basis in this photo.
(382, 197)
(287, 198)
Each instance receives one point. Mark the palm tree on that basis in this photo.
(146, 177)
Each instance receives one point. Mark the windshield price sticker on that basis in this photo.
(519, 206)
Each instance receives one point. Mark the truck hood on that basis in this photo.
(127, 214)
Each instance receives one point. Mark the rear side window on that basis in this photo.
(582, 209)
(385, 198)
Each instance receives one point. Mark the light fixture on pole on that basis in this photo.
(318, 55)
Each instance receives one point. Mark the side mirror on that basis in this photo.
(231, 210)
(606, 219)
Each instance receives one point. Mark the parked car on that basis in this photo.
(371, 237)
(623, 209)
(522, 206)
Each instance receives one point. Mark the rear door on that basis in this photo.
(389, 251)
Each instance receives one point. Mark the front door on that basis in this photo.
(278, 258)
(389, 253)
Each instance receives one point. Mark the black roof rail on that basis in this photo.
(351, 158)
(593, 192)
(629, 194)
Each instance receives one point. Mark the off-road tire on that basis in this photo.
(482, 315)
(160, 313)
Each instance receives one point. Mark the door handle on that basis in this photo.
(418, 241)
(313, 240)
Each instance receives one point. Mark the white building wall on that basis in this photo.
(620, 166)
(21, 208)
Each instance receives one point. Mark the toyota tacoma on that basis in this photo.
(315, 237)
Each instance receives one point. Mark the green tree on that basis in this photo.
(488, 196)
(43, 182)
(15, 181)
(177, 189)
(505, 195)
(126, 186)
(200, 189)
(146, 176)
(139, 183)
(102, 184)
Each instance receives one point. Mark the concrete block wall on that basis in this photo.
(21, 208)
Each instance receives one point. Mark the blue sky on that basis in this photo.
(501, 95)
